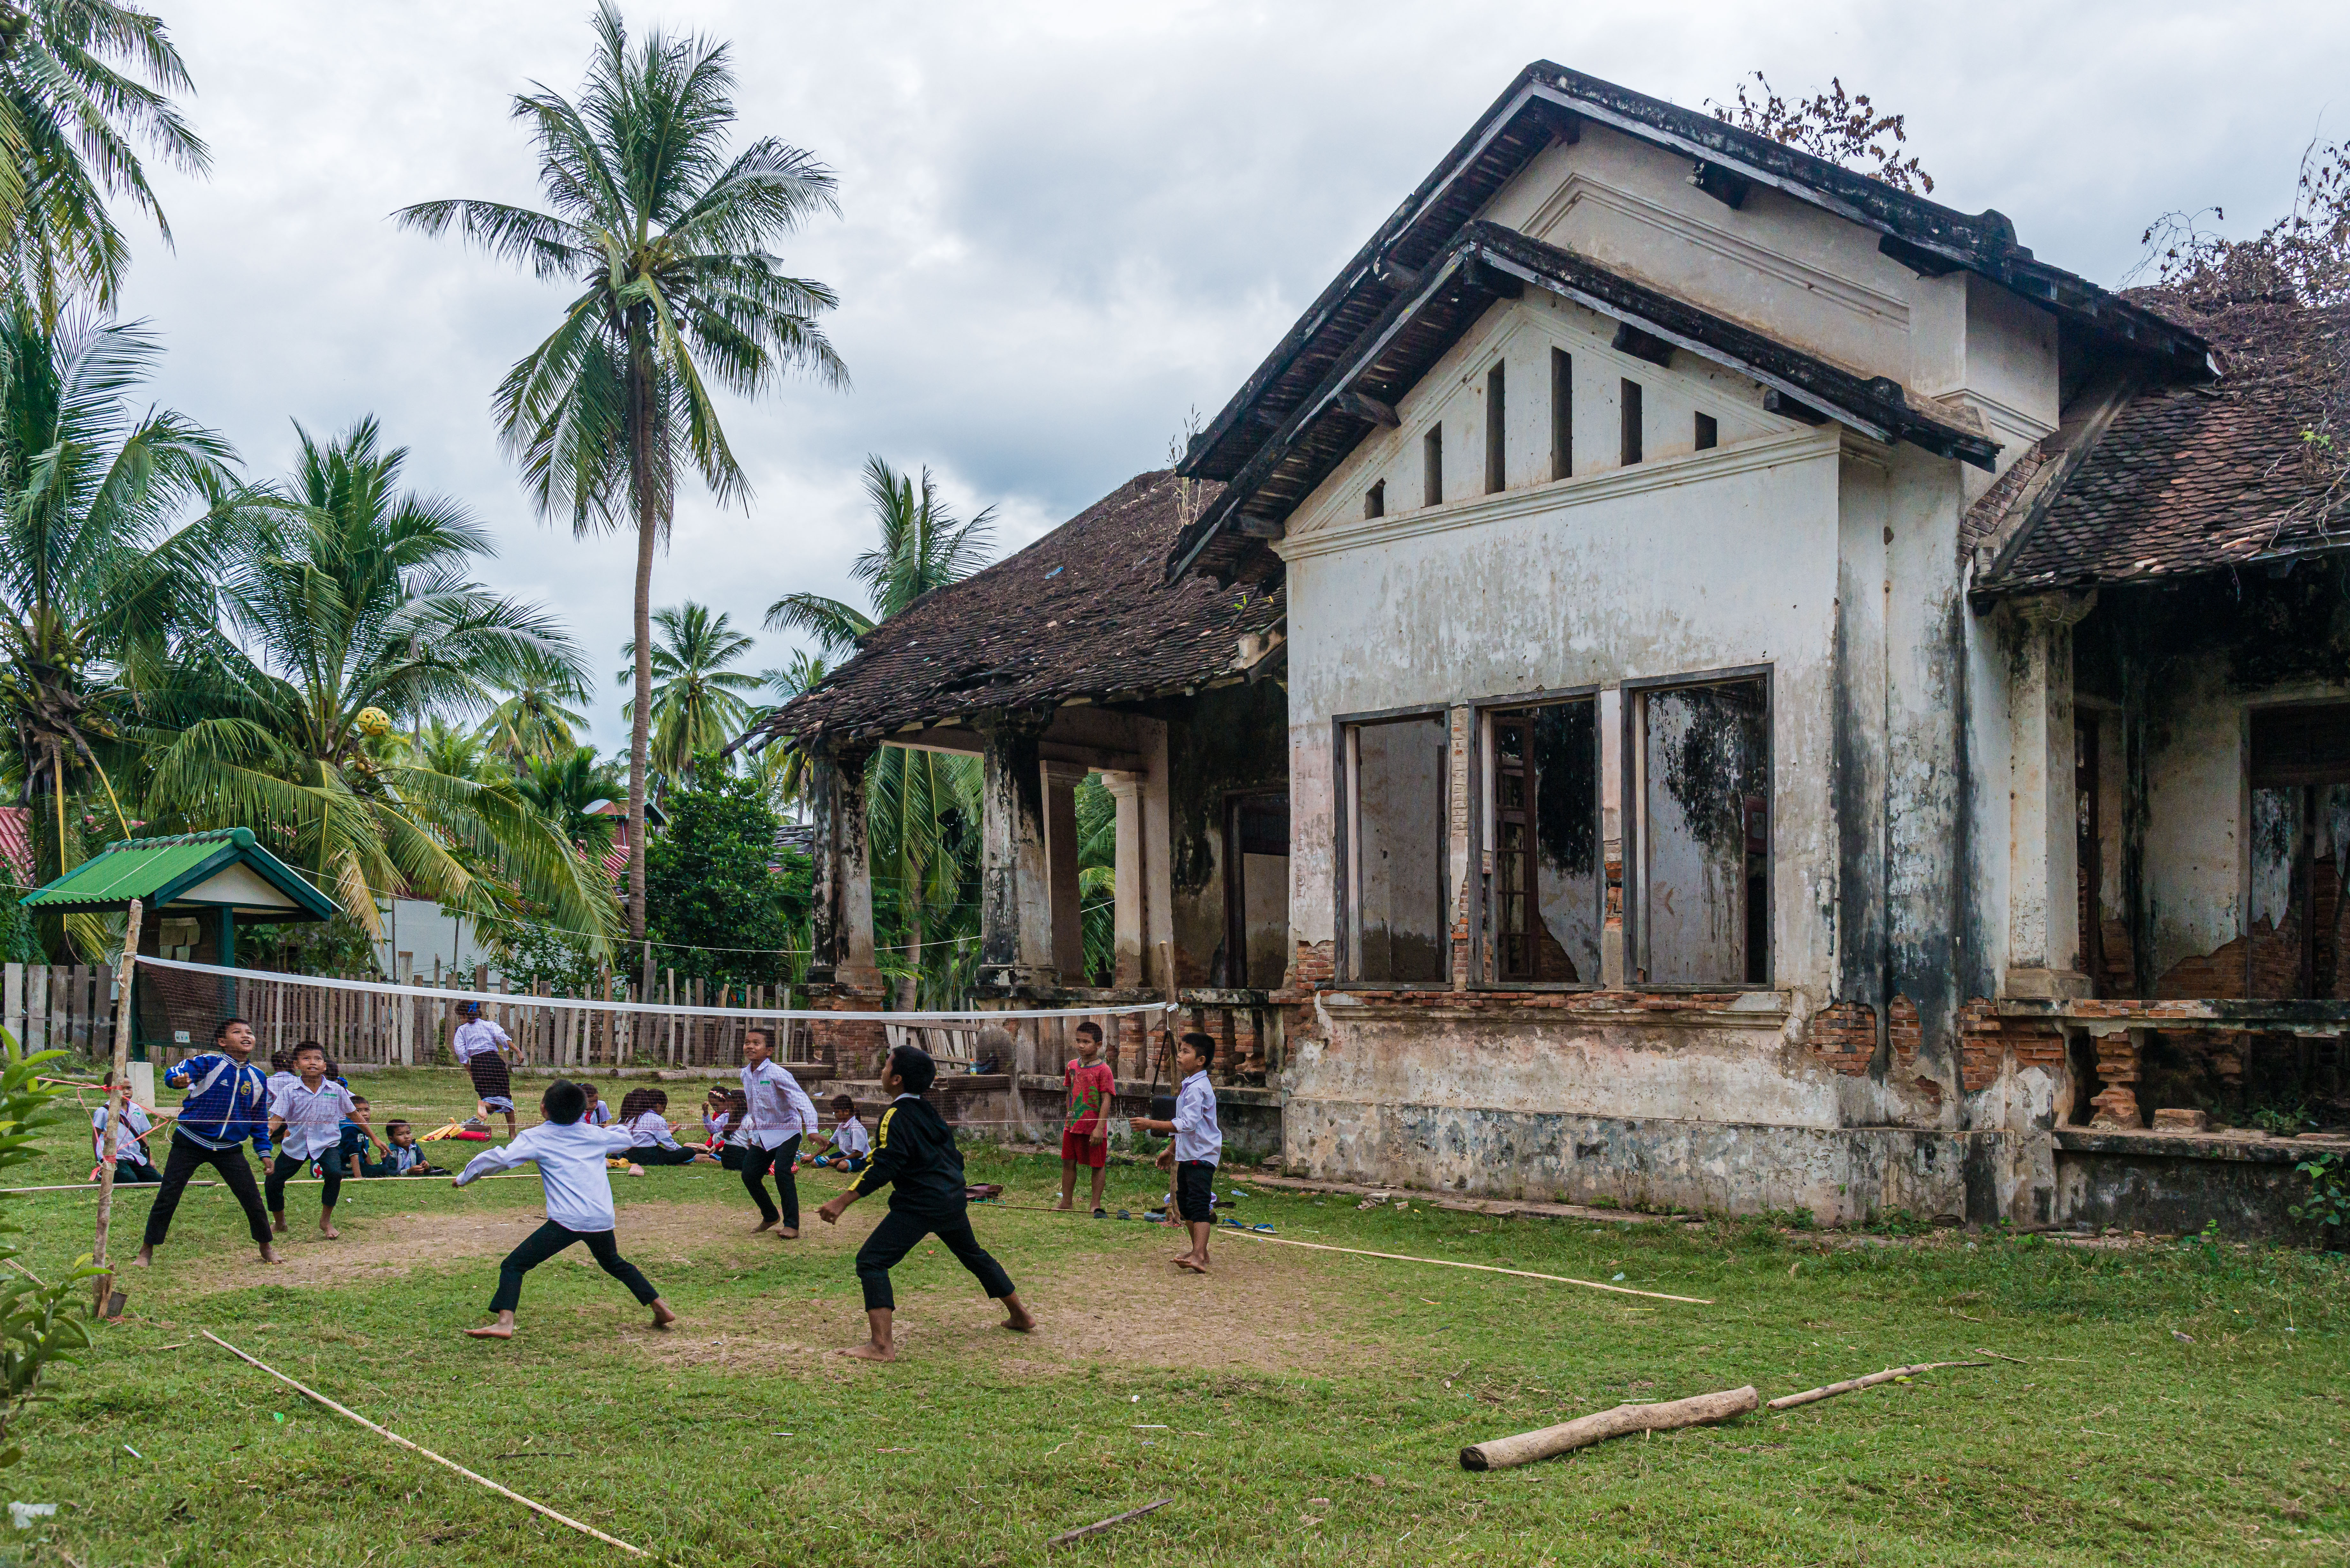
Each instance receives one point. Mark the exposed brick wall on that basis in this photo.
(1843, 1035)
(1985, 1039)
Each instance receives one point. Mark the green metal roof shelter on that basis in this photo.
(215, 877)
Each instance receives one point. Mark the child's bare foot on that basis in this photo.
(1194, 1264)
(326, 1228)
(491, 1330)
(870, 1351)
(146, 1257)
(767, 1224)
(1062, 1205)
(1018, 1318)
(789, 1233)
(277, 1223)
(663, 1315)
(269, 1254)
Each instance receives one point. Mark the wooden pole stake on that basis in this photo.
(1812, 1395)
(1481, 1268)
(1702, 1410)
(103, 1286)
(1067, 1536)
(418, 1448)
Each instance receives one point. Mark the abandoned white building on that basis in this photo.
(1691, 676)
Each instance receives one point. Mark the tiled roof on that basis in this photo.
(2191, 480)
(1084, 612)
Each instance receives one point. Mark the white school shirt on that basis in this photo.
(134, 1123)
(780, 1108)
(314, 1120)
(715, 1127)
(570, 1161)
(1197, 1137)
(647, 1128)
(477, 1037)
(851, 1137)
(599, 1115)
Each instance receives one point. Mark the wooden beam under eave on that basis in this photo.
(1249, 527)
(1363, 406)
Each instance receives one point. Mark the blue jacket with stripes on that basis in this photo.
(227, 1102)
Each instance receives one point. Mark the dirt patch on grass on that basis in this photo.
(1263, 1309)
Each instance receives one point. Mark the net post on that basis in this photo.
(104, 1284)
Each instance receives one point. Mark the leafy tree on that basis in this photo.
(698, 703)
(1843, 128)
(354, 607)
(40, 1325)
(726, 915)
(442, 747)
(667, 240)
(563, 788)
(116, 519)
(534, 719)
(70, 124)
(779, 766)
(911, 794)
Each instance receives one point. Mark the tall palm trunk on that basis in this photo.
(914, 942)
(647, 497)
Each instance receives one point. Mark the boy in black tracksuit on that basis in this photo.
(915, 1156)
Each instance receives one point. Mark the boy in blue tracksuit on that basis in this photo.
(227, 1103)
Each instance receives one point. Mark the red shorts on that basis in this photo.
(1081, 1148)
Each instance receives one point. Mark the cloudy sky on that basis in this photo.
(1064, 226)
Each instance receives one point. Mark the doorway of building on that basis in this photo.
(1257, 889)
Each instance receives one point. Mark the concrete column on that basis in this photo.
(1162, 970)
(842, 917)
(1016, 910)
(2043, 892)
(1127, 790)
(1061, 782)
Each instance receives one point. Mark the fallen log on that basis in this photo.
(1812, 1395)
(1700, 1410)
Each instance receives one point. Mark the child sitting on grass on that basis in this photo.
(849, 1145)
(570, 1158)
(401, 1154)
(644, 1116)
(599, 1115)
(914, 1156)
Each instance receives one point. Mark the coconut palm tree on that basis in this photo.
(563, 787)
(923, 546)
(698, 703)
(70, 126)
(779, 766)
(353, 606)
(666, 240)
(535, 719)
(116, 518)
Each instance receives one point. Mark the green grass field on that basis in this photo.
(1299, 1407)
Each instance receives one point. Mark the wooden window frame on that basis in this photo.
(1480, 819)
(1631, 812)
(1342, 775)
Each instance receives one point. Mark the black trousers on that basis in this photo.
(654, 1154)
(550, 1239)
(895, 1236)
(330, 1166)
(135, 1171)
(235, 1174)
(756, 1162)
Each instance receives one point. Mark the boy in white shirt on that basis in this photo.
(1199, 1145)
(570, 1156)
(780, 1114)
(131, 1163)
(306, 1118)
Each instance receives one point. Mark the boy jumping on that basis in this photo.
(1199, 1145)
(914, 1156)
(781, 1115)
(305, 1118)
(227, 1102)
(1084, 1140)
(570, 1157)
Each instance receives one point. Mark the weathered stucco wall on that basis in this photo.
(1227, 739)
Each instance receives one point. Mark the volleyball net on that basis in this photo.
(180, 1004)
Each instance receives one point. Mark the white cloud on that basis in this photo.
(1064, 225)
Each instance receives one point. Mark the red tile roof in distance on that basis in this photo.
(1083, 613)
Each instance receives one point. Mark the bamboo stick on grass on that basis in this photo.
(1700, 1410)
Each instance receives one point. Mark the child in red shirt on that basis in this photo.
(1086, 1139)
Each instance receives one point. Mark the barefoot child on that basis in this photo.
(1199, 1145)
(570, 1157)
(305, 1118)
(914, 1156)
(1084, 1140)
(480, 1047)
(781, 1115)
(644, 1116)
(227, 1103)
